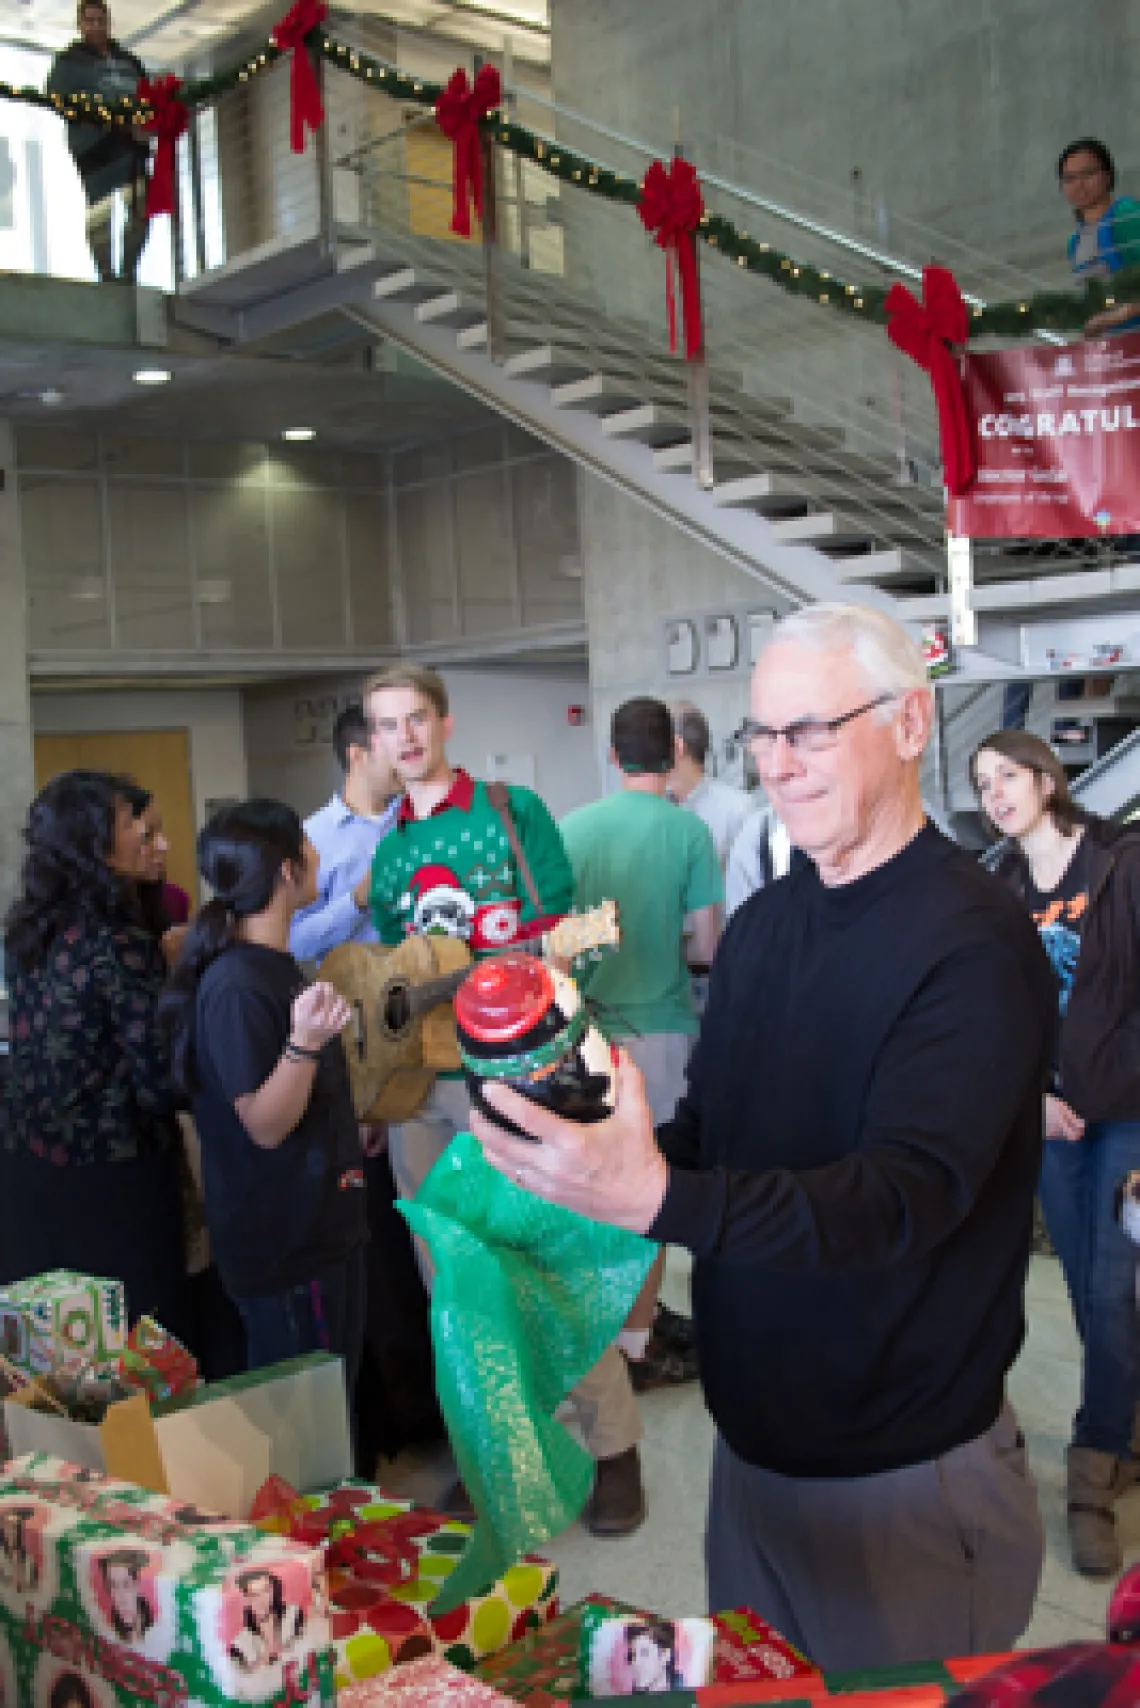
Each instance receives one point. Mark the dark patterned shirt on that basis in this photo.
(90, 1070)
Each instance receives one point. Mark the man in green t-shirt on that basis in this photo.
(448, 866)
(659, 863)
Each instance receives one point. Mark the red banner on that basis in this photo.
(1057, 436)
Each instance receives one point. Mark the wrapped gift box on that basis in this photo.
(62, 1321)
(430, 1682)
(547, 1663)
(215, 1446)
(388, 1560)
(156, 1363)
(112, 1595)
(747, 1648)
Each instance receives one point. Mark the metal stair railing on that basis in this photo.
(803, 414)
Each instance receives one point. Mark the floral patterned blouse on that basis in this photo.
(89, 1077)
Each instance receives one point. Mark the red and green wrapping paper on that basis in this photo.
(156, 1363)
(548, 1663)
(387, 1560)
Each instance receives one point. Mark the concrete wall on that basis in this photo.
(15, 715)
(639, 569)
(954, 114)
(213, 718)
(497, 713)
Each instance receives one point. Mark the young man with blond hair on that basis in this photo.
(449, 865)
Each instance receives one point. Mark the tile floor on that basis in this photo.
(661, 1567)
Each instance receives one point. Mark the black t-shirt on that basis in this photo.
(276, 1217)
(1059, 915)
(854, 1162)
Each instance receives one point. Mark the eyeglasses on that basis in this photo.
(806, 735)
(1078, 177)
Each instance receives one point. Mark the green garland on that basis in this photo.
(1047, 311)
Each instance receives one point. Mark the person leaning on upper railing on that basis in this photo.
(111, 161)
(1107, 238)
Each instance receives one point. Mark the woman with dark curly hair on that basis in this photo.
(165, 907)
(89, 1146)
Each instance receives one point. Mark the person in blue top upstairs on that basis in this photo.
(1107, 238)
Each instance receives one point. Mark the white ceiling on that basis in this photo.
(233, 397)
(169, 34)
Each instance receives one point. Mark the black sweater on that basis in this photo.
(854, 1162)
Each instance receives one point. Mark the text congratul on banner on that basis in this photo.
(1057, 436)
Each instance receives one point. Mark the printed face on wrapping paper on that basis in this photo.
(261, 1628)
(127, 1593)
(523, 1022)
(648, 1657)
(28, 1568)
(60, 1684)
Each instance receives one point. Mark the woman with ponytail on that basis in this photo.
(89, 1146)
(258, 1053)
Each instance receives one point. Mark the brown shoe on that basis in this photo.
(616, 1506)
(1092, 1522)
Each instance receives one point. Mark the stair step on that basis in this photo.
(644, 421)
(437, 307)
(817, 525)
(591, 392)
(396, 283)
(555, 364)
(744, 489)
(472, 337)
(872, 565)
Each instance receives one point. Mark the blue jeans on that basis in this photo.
(325, 1314)
(1078, 1182)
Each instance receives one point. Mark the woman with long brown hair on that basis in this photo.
(1080, 878)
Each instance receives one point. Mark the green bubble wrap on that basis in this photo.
(526, 1298)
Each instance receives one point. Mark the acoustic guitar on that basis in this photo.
(402, 1031)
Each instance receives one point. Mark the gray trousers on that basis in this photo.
(942, 1558)
(662, 1058)
(603, 1400)
(100, 225)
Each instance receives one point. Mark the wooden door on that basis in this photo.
(157, 759)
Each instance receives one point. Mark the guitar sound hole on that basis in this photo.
(397, 1008)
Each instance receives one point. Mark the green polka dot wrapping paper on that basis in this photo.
(388, 1560)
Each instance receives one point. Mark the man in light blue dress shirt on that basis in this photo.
(395, 1403)
(345, 833)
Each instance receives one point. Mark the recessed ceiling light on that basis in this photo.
(51, 397)
(151, 376)
(297, 435)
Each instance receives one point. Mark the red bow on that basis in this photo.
(375, 1553)
(168, 120)
(304, 91)
(925, 332)
(671, 206)
(457, 112)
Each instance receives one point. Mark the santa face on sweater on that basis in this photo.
(440, 906)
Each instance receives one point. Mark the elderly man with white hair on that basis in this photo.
(853, 1167)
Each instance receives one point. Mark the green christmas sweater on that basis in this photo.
(454, 871)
